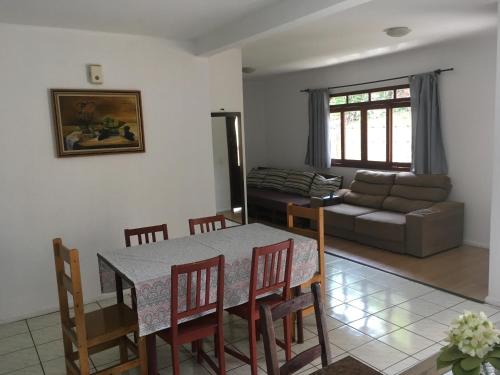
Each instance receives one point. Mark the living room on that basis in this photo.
(145, 82)
(276, 117)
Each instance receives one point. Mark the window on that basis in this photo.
(371, 128)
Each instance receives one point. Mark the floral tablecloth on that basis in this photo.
(147, 267)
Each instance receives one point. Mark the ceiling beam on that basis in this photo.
(276, 17)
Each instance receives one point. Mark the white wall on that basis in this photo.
(226, 81)
(88, 201)
(494, 275)
(277, 135)
(221, 165)
(226, 89)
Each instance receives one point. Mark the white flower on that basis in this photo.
(473, 334)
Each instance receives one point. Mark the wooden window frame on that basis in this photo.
(363, 107)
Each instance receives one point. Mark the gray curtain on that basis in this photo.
(427, 142)
(318, 142)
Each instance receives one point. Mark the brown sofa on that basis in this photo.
(269, 201)
(401, 212)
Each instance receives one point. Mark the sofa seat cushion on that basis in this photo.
(275, 200)
(385, 225)
(343, 215)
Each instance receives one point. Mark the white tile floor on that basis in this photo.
(383, 320)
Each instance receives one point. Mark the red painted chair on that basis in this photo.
(207, 224)
(147, 232)
(189, 297)
(271, 272)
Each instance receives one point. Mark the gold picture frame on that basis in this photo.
(96, 122)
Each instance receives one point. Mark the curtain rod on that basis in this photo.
(438, 71)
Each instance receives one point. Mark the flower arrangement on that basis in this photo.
(473, 342)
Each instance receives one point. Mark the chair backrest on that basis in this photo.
(149, 234)
(207, 224)
(316, 230)
(191, 287)
(74, 330)
(271, 270)
(267, 318)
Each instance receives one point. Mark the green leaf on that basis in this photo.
(458, 370)
(470, 363)
(494, 353)
(495, 362)
(442, 364)
(451, 354)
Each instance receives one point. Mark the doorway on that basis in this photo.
(230, 199)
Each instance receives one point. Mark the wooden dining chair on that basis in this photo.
(143, 235)
(95, 331)
(191, 296)
(271, 271)
(314, 230)
(207, 224)
(148, 233)
(269, 315)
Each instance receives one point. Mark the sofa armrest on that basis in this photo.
(434, 229)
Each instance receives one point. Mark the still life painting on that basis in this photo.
(89, 122)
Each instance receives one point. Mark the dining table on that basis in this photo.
(147, 268)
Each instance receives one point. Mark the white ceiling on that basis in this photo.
(276, 35)
(179, 20)
(356, 33)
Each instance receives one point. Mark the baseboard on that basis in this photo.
(493, 301)
(477, 244)
(52, 309)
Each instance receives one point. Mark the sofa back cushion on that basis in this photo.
(298, 182)
(275, 179)
(414, 192)
(372, 177)
(369, 189)
(256, 177)
(322, 186)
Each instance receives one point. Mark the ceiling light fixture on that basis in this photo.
(397, 32)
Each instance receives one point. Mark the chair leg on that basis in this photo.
(193, 347)
(216, 346)
(83, 355)
(143, 355)
(219, 348)
(123, 350)
(199, 348)
(175, 359)
(288, 337)
(300, 327)
(252, 333)
(299, 318)
(133, 296)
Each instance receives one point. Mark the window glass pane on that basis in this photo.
(352, 135)
(336, 100)
(377, 134)
(401, 135)
(335, 135)
(359, 98)
(383, 95)
(403, 93)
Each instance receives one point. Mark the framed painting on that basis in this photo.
(90, 122)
